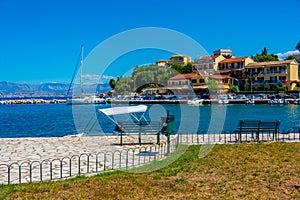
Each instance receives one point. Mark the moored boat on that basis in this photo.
(195, 102)
(86, 100)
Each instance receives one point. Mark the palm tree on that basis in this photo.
(112, 83)
(298, 46)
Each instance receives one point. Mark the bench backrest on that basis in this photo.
(258, 125)
(143, 127)
(249, 124)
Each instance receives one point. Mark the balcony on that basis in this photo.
(277, 72)
(256, 83)
(269, 82)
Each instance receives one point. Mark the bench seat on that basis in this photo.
(139, 128)
(257, 127)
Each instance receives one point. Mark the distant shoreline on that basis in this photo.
(113, 101)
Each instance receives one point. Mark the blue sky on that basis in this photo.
(40, 39)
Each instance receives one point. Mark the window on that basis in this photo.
(194, 80)
(282, 78)
(260, 79)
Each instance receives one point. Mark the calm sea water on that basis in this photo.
(50, 120)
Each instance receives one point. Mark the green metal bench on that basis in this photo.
(139, 128)
(257, 127)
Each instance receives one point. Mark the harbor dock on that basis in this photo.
(32, 101)
(163, 101)
(206, 101)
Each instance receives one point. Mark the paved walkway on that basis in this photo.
(58, 157)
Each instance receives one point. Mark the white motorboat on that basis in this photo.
(250, 101)
(86, 100)
(195, 102)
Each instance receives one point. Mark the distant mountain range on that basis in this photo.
(45, 89)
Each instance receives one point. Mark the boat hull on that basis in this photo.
(86, 101)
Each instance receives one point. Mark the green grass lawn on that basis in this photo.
(241, 171)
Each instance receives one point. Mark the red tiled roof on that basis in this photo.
(162, 61)
(184, 76)
(262, 64)
(229, 60)
(208, 57)
(219, 76)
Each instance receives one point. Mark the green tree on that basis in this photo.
(112, 83)
(144, 78)
(234, 88)
(212, 86)
(183, 69)
(264, 56)
(281, 88)
(298, 46)
(227, 56)
(151, 76)
(264, 52)
(290, 57)
(124, 85)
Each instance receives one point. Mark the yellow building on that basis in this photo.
(207, 64)
(270, 75)
(180, 59)
(232, 64)
(199, 83)
(181, 80)
(162, 63)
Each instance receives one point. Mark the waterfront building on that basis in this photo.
(182, 80)
(235, 68)
(162, 63)
(223, 52)
(198, 83)
(178, 85)
(207, 65)
(271, 75)
(180, 59)
(234, 64)
(297, 57)
(223, 81)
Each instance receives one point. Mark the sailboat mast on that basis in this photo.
(81, 66)
(78, 64)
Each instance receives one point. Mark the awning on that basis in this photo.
(123, 110)
(200, 87)
(223, 87)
